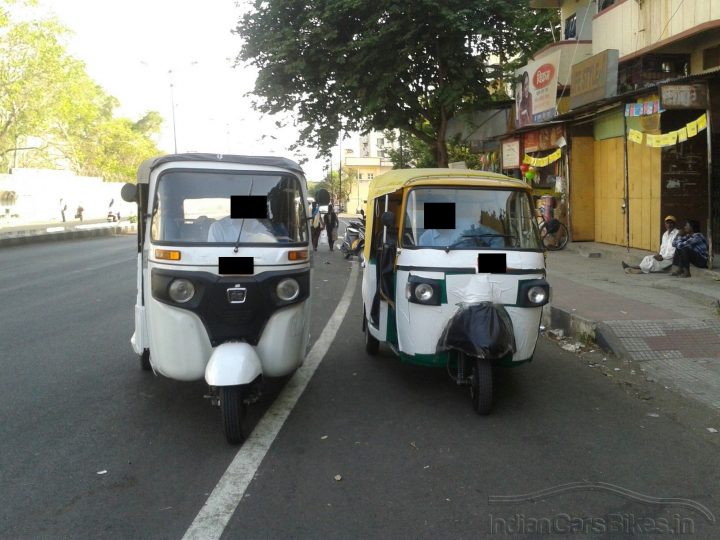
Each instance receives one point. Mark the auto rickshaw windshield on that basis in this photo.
(194, 207)
(469, 218)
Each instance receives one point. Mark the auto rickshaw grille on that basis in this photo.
(229, 322)
(234, 316)
(235, 321)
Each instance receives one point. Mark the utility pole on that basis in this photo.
(172, 103)
(340, 172)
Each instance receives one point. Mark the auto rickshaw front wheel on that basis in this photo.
(481, 387)
(233, 411)
(145, 360)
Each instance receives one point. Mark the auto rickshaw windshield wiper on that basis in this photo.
(237, 242)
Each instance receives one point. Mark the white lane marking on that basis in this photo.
(224, 499)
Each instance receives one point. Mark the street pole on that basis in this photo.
(340, 172)
(172, 102)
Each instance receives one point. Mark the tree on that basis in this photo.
(352, 65)
(331, 182)
(46, 95)
(415, 153)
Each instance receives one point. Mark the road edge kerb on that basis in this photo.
(609, 342)
(68, 235)
(572, 324)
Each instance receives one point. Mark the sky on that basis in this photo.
(129, 48)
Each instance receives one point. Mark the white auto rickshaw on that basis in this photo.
(455, 273)
(223, 274)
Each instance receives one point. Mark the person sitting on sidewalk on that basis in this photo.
(690, 247)
(662, 260)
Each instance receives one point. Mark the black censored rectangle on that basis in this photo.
(439, 215)
(236, 265)
(248, 207)
(492, 263)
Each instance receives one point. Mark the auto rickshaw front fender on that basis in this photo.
(231, 364)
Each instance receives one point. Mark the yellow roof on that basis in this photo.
(396, 179)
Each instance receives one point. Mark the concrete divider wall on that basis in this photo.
(29, 236)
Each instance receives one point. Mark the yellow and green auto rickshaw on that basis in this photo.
(454, 274)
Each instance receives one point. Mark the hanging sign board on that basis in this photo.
(511, 154)
(684, 96)
(594, 79)
(536, 91)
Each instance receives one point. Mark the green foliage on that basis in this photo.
(46, 95)
(339, 191)
(352, 65)
(415, 153)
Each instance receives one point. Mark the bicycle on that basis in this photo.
(553, 233)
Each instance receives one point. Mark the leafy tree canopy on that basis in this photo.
(353, 65)
(46, 95)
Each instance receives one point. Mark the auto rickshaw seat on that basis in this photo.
(197, 230)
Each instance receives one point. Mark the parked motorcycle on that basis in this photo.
(354, 239)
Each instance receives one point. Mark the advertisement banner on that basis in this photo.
(511, 154)
(536, 91)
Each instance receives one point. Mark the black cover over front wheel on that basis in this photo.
(232, 410)
(481, 389)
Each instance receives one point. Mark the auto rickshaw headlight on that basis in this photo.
(424, 292)
(288, 289)
(181, 290)
(537, 295)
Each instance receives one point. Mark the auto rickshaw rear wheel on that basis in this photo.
(481, 387)
(372, 345)
(145, 360)
(233, 410)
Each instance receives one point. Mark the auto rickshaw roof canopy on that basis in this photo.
(397, 179)
(147, 166)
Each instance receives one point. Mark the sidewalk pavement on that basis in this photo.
(670, 326)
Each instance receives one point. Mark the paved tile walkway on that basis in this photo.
(683, 354)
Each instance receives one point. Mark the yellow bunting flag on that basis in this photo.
(651, 140)
(635, 136)
(673, 137)
(557, 154)
(702, 122)
(692, 128)
(542, 162)
(527, 159)
(682, 134)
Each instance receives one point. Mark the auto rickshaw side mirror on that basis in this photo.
(388, 219)
(129, 193)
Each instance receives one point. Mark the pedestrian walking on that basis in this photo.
(316, 225)
(331, 225)
(63, 209)
(79, 213)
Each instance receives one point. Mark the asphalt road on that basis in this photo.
(413, 458)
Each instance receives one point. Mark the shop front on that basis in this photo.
(539, 158)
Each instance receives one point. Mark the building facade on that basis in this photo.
(636, 111)
(370, 161)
